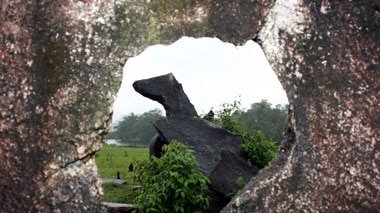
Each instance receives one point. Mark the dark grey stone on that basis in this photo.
(217, 151)
(156, 145)
(206, 138)
(167, 91)
(229, 169)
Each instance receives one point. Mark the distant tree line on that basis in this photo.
(269, 119)
(135, 129)
(138, 129)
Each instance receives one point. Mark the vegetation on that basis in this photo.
(136, 129)
(172, 182)
(255, 125)
(264, 117)
(112, 159)
(119, 193)
(260, 150)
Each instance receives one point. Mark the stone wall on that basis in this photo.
(61, 64)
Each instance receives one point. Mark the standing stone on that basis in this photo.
(167, 91)
(217, 151)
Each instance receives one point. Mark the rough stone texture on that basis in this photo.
(118, 207)
(217, 151)
(55, 65)
(167, 91)
(206, 138)
(210, 143)
(61, 64)
(326, 55)
(229, 169)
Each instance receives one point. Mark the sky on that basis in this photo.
(211, 73)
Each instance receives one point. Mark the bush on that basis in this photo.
(172, 182)
(227, 118)
(260, 151)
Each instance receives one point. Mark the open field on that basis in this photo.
(112, 159)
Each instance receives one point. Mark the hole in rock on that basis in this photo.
(211, 72)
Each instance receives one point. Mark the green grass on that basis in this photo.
(117, 193)
(112, 159)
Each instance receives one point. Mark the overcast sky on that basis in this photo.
(211, 73)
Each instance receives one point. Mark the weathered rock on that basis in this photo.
(118, 207)
(167, 91)
(156, 145)
(326, 56)
(206, 138)
(210, 143)
(217, 151)
(229, 169)
(61, 66)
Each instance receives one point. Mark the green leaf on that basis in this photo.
(240, 181)
(176, 186)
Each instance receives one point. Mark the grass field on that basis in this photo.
(112, 159)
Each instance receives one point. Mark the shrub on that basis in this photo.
(227, 118)
(172, 182)
(259, 149)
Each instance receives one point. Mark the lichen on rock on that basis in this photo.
(61, 66)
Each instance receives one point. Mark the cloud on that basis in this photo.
(210, 71)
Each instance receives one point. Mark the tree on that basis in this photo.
(262, 116)
(260, 150)
(136, 129)
(172, 182)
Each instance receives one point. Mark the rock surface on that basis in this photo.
(217, 151)
(210, 144)
(61, 64)
(326, 57)
(206, 138)
(167, 91)
(118, 207)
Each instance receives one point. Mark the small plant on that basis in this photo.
(240, 181)
(260, 151)
(227, 117)
(172, 182)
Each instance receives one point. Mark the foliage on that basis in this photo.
(119, 193)
(259, 149)
(136, 129)
(270, 120)
(227, 117)
(240, 181)
(172, 182)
